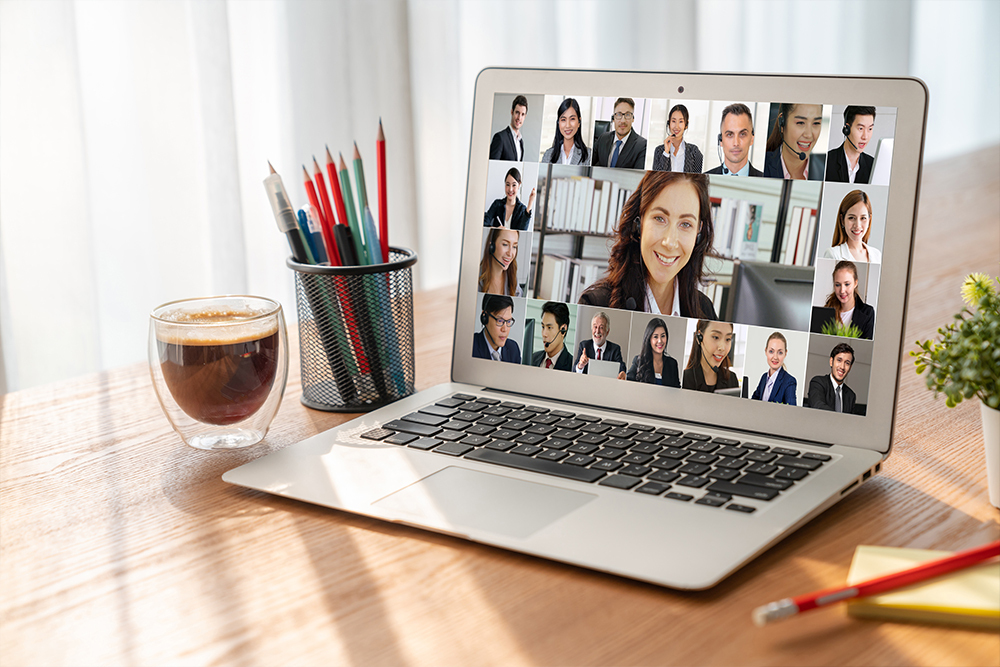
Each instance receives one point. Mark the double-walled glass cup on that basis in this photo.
(219, 366)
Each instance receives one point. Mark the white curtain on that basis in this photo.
(134, 136)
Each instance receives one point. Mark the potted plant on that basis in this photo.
(964, 362)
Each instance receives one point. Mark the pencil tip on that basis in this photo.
(381, 134)
(357, 153)
(343, 165)
(270, 167)
(329, 158)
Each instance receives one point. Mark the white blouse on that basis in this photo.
(842, 252)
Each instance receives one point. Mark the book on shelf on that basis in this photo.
(737, 226)
(798, 248)
(565, 278)
(584, 204)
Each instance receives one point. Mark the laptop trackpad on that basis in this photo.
(460, 500)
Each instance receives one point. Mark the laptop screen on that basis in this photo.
(730, 249)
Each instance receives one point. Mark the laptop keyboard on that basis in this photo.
(635, 457)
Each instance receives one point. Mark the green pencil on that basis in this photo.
(359, 175)
(352, 215)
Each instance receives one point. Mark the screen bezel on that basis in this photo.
(872, 431)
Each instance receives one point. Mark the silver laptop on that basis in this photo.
(659, 478)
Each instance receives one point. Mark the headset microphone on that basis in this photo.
(630, 304)
(701, 341)
(562, 332)
(800, 154)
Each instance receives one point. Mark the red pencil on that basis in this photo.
(338, 196)
(326, 217)
(311, 193)
(914, 575)
(383, 196)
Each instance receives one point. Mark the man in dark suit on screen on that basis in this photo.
(508, 144)
(598, 347)
(493, 341)
(829, 392)
(555, 326)
(735, 141)
(850, 163)
(621, 147)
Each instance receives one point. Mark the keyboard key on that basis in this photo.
(639, 459)
(466, 416)
(438, 410)
(765, 482)
(664, 463)
(755, 446)
(562, 414)
(648, 437)
(741, 508)
(683, 497)
(450, 402)
(677, 442)
(582, 448)
(491, 420)
(423, 418)
(734, 452)
(711, 500)
(694, 481)
(702, 458)
(567, 434)
(557, 443)
(456, 425)
(451, 435)
(608, 465)
(552, 455)
(520, 415)
(544, 419)
(504, 434)
(653, 488)
(596, 428)
(694, 469)
(541, 429)
(400, 438)
(516, 424)
(641, 427)
(500, 445)
(376, 434)
(636, 470)
(425, 443)
(526, 450)
(480, 429)
(614, 423)
(529, 439)
(794, 474)
(786, 452)
(453, 449)
(745, 490)
(796, 462)
(674, 452)
(621, 432)
(726, 442)
(610, 453)
(723, 474)
(512, 406)
(477, 406)
(697, 436)
(588, 418)
(816, 457)
(645, 448)
(463, 397)
(761, 457)
(536, 465)
(663, 476)
(592, 438)
(618, 443)
(475, 440)
(536, 409)
(496, 411)
(732, 464)
(580, 460)
(619, 482)
(762, 468)
(703, 447)
(411, 427)
(570, 423)
(668, 431)
(488, 401)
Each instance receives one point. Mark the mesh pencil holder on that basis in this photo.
(356, 333)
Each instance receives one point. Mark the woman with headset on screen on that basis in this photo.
(846, 302)
(498, 268)
(568, 146)
(789, 148)
(850, 237)
(675, 154)
(661, 240)
(508, 211)
(776, 385)
(708, 363)
(653, 365)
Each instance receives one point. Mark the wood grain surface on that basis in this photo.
(119, 545)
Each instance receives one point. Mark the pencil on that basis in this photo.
(935, 568)
(326, 214)
(359, 179)
(383, 195)
(338, 195)
(311, 193)
(352, 217)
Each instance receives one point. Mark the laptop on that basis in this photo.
(677, 478)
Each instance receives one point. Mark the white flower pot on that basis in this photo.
(991, 443)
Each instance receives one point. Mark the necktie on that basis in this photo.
(840, 404)
(496, 355)
(548, 363)
(614, 156)
(598, 354)
(521, 141)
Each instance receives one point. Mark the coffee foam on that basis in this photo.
(213, 326)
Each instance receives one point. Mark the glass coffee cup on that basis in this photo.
(219, 366)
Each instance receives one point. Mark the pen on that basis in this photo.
(284, 216)
(314, 234)
(375, 249)
(935, 568)
(383, 194)
(310, 243)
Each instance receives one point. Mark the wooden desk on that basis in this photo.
(121, 546)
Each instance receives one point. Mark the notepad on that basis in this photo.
(970, 597)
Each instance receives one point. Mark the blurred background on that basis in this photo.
(134, 136)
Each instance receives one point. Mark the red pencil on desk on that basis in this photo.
(914, 575)
(383, 196)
